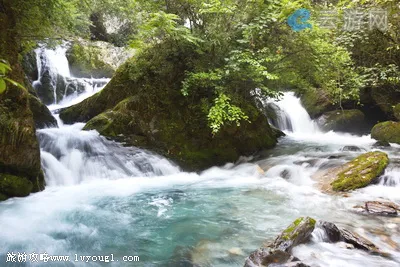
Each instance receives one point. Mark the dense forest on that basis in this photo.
(199, 129)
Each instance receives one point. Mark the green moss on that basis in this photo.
(316, 101)
(290, 233)
(15, 186)
(388, 131)
(361, 171)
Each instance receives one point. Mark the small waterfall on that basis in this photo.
(55, 82)
(72, 156)
(391, 177)
(292, 116)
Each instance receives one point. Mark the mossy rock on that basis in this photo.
(298, 232)
(361, 171)
(385, 98)
(342, 120)
(316, 101)
(41, 114)
(388, 131)
(396, 111)
(15, 186)
(143, 106)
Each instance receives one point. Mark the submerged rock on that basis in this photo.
(388, 131)
(342, 120)
(351, 149)
(361, 171)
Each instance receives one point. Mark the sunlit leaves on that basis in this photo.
(222, 112)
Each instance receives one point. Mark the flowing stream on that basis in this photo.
(102, 198)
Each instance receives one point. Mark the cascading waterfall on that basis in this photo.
(103, 198)
(291, 115)
(54, 75)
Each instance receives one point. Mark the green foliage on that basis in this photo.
(223, 111)
(4, 69)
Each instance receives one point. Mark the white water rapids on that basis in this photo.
(102, 198)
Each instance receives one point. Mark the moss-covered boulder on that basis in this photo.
(15, 186)
(143, 106)
(388, 131)
(361, 171)
(396, 111)
(41, 114)
(316, 101)
(342, 120)
(95, 59)
(298, 232)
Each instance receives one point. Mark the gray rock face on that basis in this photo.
(359, 242)
(342, 120)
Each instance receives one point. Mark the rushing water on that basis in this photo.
(102, 198)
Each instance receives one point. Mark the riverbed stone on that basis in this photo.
(359, 242)
(388, 131)
(382, 208)
(361, 171)
(298, 232)
(272, 257)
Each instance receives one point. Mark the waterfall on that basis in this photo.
(291, 115)
(55, 83)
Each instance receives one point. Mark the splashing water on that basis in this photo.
(102, 198)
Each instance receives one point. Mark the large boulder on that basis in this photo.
(342, 120)
(316, 102)
(19, 148)
(388, 131)
(143, 106)
(95, 59)
(361, 171)
(385, 98)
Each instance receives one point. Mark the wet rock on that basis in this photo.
(331, 230)
(388, 131)
(381, 208)
(359, 242)
(381, 144)
(310, 162)
(285, 174)
(272, 257)
(361, 171)
(298, 232)
(14, 186)
(351, 149)
(342, 120)
(41, 114)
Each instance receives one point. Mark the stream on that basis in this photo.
(102, 198)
